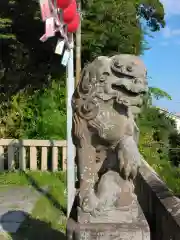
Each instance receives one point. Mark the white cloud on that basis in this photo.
(167, 32)
(172, 7)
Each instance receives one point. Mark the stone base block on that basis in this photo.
(120, 225)
(107, 231)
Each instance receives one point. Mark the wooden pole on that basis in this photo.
(78, 50)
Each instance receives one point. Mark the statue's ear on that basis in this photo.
(84, 85)
(88, 109)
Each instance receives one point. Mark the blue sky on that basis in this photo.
(163, 59)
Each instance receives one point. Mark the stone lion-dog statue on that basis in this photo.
(106, 102)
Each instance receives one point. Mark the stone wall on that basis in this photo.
(160, 207)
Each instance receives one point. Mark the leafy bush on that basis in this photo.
(45, 116)
(155, 149)
(174, 151)
(41, 115)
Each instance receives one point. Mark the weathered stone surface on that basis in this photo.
(105, 104)
(131, 226)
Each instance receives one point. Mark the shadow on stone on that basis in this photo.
(30, 229)
(45, 193)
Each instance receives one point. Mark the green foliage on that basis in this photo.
(174, 151)
(157, 145)
(153, 12)
(41, 115)
(25, 61)
(159, 122)
(108, 27)
(161, 164)
(29, 107)
(111, 27)
(46, 114)
(155, 93)
(158, 93)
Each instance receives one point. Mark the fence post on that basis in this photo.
(33, 158)
(44, 158)
(11, 162)
(64, 158)
(1, 159)
(22, 156)
(54, 159)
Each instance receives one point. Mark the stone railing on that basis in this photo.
(160, 206)
(32, 154)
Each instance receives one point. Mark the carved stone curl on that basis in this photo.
(105, 104)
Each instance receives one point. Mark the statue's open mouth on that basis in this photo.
(123, 90)
(129, 85)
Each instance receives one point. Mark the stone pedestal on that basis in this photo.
(118, 224)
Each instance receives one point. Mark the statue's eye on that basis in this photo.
(129, 68)
(117, 64)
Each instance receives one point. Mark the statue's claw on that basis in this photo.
(129, 161)
(89, 203)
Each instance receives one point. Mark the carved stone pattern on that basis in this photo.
(105, 105)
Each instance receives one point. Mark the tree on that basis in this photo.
(158, 93)
(111, 27)
(161, 127)
(153, 12)
(155, 93)
(108, 27)
(24, 60)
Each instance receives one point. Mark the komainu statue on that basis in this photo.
(105, 105)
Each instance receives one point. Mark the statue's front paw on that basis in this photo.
(90, 203)
(130, 169)
(129, 158)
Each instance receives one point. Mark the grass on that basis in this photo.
(48, 218)
(20, 179)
